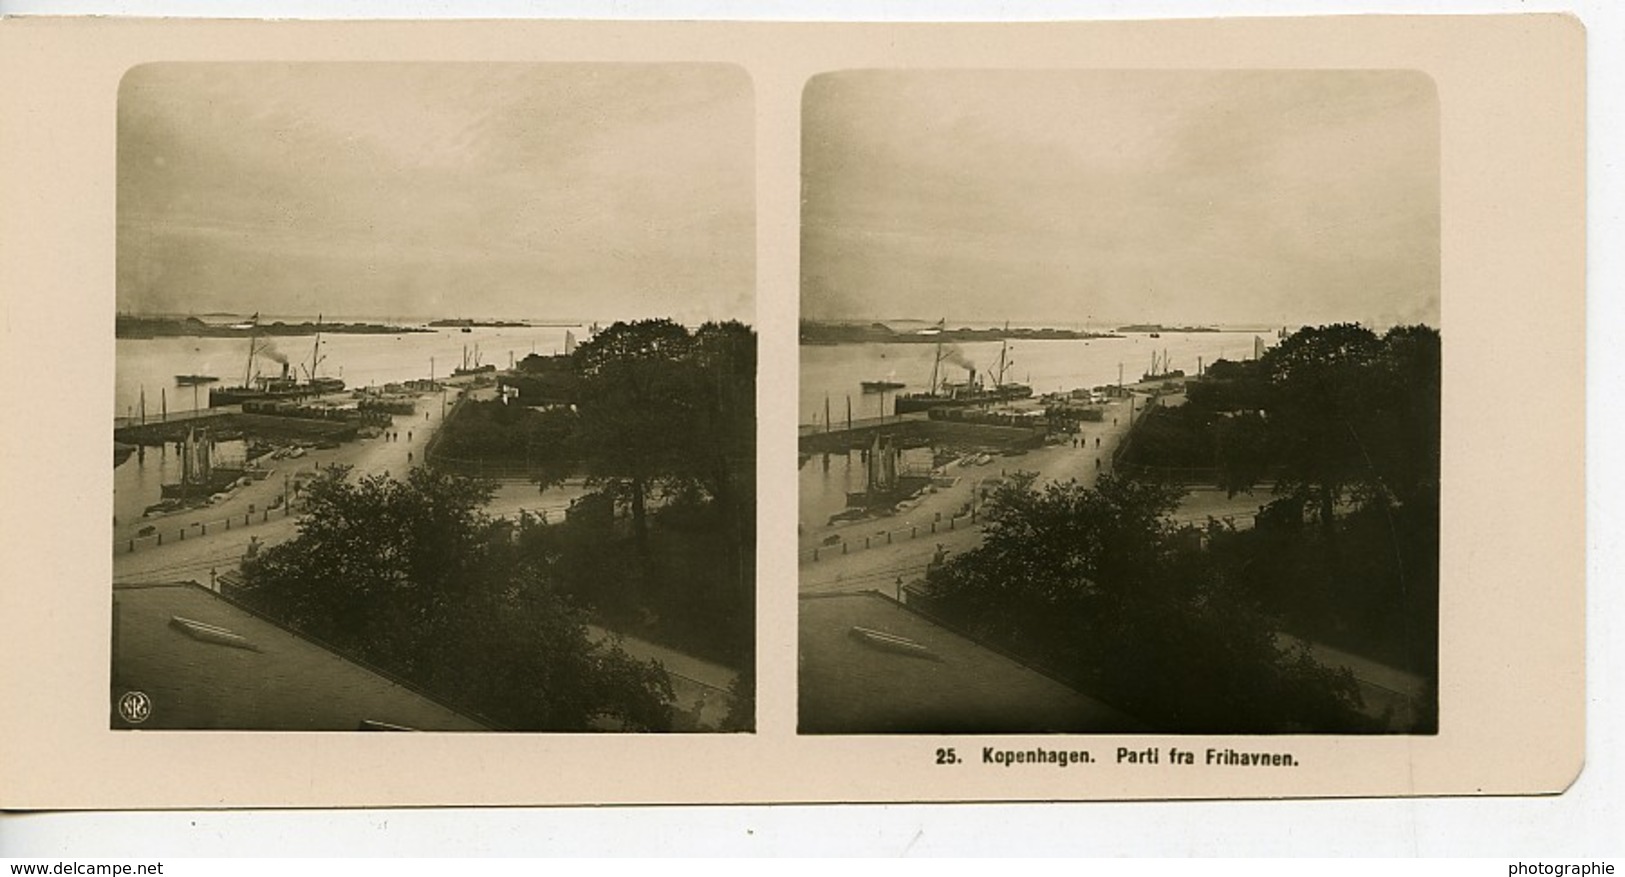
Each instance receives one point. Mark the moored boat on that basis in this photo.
(284, 386)
(972, 391)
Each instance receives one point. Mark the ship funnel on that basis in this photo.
(284, 370)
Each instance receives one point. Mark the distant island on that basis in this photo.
(1153, 327)
(130, 326)
(821, 332)
(478, 324)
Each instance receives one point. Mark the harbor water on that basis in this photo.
(147, 367)
(832, 377)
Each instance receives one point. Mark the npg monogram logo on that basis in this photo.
(135, 707)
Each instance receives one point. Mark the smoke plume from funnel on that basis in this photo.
(269, 351)
(954, 356)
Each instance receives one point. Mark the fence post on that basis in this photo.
(205, 527)
(914, 531)
(888, 537)
(933, 526)
(843, 546)
(951, 523)
(132, 545)
(160, 538)
(228, 523)
(183, 534)
(815, 554)
(866, 542)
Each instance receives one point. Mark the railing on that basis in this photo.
(889, 537)
(548, 514)
(200, 529)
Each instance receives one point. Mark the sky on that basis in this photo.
(1174, 197)
(417, 191)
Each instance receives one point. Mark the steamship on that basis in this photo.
(281, 387)
(971, 391)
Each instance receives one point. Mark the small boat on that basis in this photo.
(193, 380)
(881, 386)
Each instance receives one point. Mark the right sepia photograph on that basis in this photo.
(1119, 402)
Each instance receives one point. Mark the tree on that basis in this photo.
(1092, 584)
(665, 412)
(721, 447)
(412, 577)
(1241, 448)
(635, 410)
(1318, 398)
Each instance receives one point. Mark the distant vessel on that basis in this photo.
(884, 385)
(1160, 370)
(284, 386)
(472, 366)
(972, 391)
(192, 380)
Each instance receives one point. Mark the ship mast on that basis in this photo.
(936, 364)
(248, 370)
(316, 351)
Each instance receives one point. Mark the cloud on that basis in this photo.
(1175, 196)
(433, 190)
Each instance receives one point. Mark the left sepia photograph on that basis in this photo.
(435, 398)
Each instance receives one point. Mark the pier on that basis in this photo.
(914, 430)
(233, 423)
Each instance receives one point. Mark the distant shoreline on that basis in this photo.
(192, 327)
(813, 332)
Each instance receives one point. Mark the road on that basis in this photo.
(208, 544)
(913, 545)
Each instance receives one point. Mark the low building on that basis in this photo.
(871, 665)
(184, 657)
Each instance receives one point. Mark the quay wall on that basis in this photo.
(235, 424)
(923, 432)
